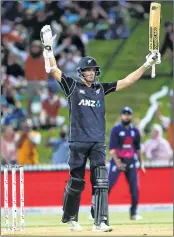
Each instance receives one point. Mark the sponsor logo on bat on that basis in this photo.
(154, 8)
(150, 38)
(155, 38)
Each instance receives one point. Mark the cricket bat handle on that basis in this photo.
(153, 71)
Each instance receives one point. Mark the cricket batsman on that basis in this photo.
(124, 143)
(87, 130)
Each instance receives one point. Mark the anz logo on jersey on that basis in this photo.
(90, 103)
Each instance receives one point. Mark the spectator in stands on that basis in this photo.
(50, 110)
(15, 33)
(34, 69)
(69, 60)
(157, 148)
(167, 124)
(137, 9)
(8, 147)
(34, 5)
(73, 32)
(10, 96)
(77, 38)
(62, 46)
(39, 20)
(16, 116)
(6, 107)
(60, 147)
(118, 29)
(26, 142)
(81, 7)
(168, 41)
(12, 111)
(54, 10)
(95, 23)
(12, 10)
(170, 135)
(9, 92)
(13, 68)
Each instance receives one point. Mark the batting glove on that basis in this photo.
(46, 37)
(152, 58)
(47, 40)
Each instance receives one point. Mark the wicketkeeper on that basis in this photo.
(87, 130)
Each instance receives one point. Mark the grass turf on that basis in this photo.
(153, 223)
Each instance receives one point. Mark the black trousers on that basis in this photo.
(80, 152)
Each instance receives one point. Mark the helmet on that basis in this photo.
(87, 62)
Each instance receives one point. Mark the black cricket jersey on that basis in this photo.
(86, 109)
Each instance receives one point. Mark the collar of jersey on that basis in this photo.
(131, 125)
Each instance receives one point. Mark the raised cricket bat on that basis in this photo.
(154, 30)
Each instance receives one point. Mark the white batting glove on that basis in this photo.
(152, 58)
(46, 37)
(47, 40)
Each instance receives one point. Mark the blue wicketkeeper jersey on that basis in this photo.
(125, 141)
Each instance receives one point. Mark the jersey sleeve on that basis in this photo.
(68, 84)
(114, 141)
(109, 87)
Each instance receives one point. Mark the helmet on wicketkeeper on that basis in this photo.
(87, 62)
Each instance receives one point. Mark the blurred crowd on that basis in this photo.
(21, 147)
(168, 43)
(30, 98)
(160, 147)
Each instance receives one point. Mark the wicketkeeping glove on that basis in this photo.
(152, 58)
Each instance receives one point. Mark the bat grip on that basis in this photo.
(153, 71)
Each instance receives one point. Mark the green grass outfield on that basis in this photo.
(153, 224)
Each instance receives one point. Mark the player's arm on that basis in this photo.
(165, 121)
(137, 145)
(50, 62)
(113, 149)
(152, 58)
(68, 84)
(119, 164)
(139, 154)
(133, 77)
(55, 71)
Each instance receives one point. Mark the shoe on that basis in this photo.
(136, 217)
(74, 226)
(102, 228)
